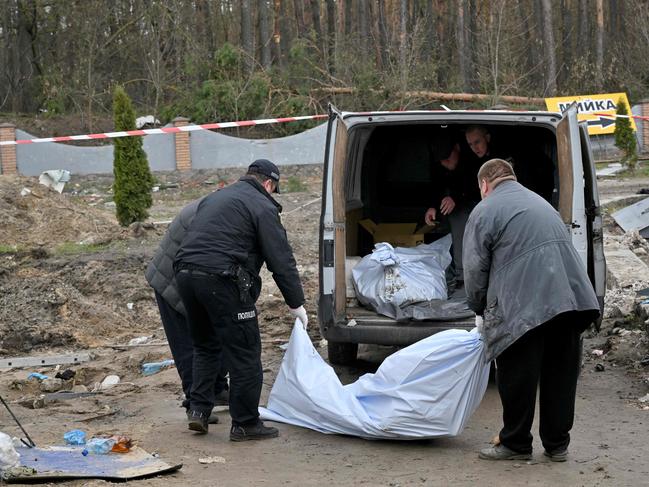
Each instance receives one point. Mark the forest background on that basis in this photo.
(219, 60)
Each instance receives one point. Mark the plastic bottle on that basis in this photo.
(100, 446)
(155, 367)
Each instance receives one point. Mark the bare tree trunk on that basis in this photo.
(461, 45)
(298, 7)
(599, 49)
(548, 46)
(264, 34)
(363, 25)
(584, 33)
(403, 42)
(247, 41)
(317, 26)
(284, 28)
(277, 33)
(331, 34)
(348, 17)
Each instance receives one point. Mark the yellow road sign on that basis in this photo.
(588, 108)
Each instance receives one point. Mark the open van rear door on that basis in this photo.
(572, 206)
(596, 261)
(332, 300)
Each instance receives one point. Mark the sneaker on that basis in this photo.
(197, 421)
(255, 431)
(560, 455)
(501, 452)
(213, 418)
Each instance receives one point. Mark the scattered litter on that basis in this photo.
(25, 192)
(208, 460)
(51, 385)
(644, 398)
(75, 437)
(155, 189)
(108, 382)
(610, 170)
(123, 444)
(37, 375)
(155, 367)
(283, 346)
(644, 362)
(352, 322)
(146, 121)
(599, 368)
(129, 305)
(66, 374)
(597, 353)
(55, 179)
(9, 457)
(634, 217)
(140, 340)
(100, 446)
(42, 361)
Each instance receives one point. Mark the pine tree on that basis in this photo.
(625, 136)
(133, 179)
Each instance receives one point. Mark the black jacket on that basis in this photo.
(460, 184)
(160, 273)
(240, 225)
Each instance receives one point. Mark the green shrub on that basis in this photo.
(133, 179)
(293, 185)
(625, 136)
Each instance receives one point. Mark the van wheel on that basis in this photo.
(342, 353)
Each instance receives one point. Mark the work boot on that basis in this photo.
(197, 421)
(560, 455)
(501, 452)
(255, 431)
(213, 419)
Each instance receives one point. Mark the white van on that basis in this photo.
(377, 166)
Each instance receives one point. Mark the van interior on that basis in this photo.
(390, 179)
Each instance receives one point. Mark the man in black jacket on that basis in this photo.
(160, 276)
(454, 192)
(234, 232)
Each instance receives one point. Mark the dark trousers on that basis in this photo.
(547, 357)
(182, 350)
(457, 221)
(224, 330)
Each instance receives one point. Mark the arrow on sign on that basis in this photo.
(601, 121)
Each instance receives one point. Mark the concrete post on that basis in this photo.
(645, 125)
(183, 152)
(8, 159)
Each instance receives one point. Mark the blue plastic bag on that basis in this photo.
(100, 446)
(36, 375)
(75, 437)
(155, 367)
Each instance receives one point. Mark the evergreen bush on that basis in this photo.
(133, 179)
(625, 136)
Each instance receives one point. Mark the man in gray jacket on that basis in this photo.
(523, 275)
(160, 276)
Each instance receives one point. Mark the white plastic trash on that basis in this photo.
(9, 457)
(427, 390)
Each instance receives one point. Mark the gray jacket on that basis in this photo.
(520, 267)
(160, 272)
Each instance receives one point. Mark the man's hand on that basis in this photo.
(479, 323)
(447, 205)
(429, 217)
(300, 314)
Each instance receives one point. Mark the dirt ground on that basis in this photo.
(71, 279)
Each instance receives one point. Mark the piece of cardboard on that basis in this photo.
(396, 234)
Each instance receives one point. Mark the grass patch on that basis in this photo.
(9, 249)
(68, 248)
(293, 185)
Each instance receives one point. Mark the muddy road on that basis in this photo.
(81, 287)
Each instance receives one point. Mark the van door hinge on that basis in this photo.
(575, 225)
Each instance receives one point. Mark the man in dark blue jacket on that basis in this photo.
(160, 276)
(234, 232)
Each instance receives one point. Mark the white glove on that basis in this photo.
(479, 323)
(300, 314)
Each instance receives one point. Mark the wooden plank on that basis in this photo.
(43, 361)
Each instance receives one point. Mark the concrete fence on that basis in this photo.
(183, 151)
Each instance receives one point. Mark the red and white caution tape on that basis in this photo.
(615, 115)
(162, 130)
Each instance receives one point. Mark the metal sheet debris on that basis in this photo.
(634, 217)
(39, 361)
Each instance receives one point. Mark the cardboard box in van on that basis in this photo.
(396, 234)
